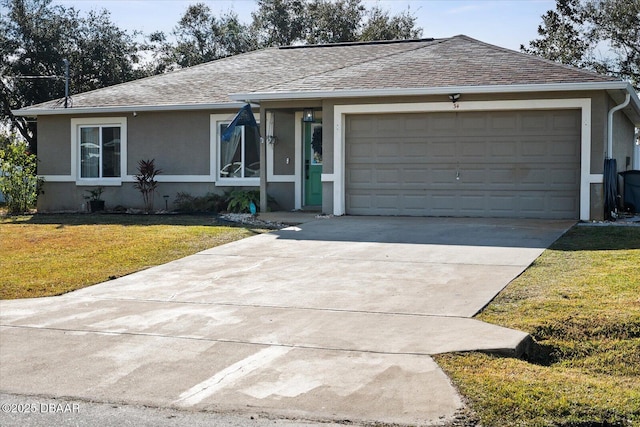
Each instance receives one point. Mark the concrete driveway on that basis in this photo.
(331, 320)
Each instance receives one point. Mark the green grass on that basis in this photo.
(580, 301)
(44, 255)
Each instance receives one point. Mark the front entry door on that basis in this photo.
(312, 164)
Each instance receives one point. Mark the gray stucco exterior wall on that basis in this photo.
(54, 145)
(180, 141)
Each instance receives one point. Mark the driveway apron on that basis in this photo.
(331, 320)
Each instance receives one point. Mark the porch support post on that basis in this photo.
(263, 159)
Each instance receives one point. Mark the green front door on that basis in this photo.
(312, 164)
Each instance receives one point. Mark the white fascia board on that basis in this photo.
(446, 90)
(127, 109)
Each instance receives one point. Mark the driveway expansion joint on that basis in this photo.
(353, 330)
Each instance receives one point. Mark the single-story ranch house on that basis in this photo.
(431, 127)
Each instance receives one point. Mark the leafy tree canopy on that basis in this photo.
(200, 37)
(287, 22)
(35, 39)
(577, 30)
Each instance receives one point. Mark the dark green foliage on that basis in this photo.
(36, 36)
(240, 200)
(279, 22)
(381, 26)
(209, 203)
(95, 194)
(19, 183)
(202, 37)
(333, 22)
(574, 32)
(287, 22)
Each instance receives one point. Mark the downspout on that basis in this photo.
(610, 175)
(610, 124)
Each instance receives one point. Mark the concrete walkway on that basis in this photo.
(331, 320)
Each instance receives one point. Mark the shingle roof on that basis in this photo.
(429, 63)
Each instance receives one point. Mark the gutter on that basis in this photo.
(610, 124)
(34, 112)
(445, 90)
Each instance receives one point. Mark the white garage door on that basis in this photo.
(522, 164)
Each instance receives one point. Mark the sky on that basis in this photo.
(505, 23)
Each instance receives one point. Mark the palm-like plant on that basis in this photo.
(146, 182)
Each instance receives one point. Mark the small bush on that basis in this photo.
(209, 203)
(239, 201)
(18, 180)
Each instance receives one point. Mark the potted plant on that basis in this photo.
(95, 202)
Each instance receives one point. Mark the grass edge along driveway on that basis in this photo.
(580, 300)
(46, 255)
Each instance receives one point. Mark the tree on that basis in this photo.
(561, 36)
(279, 22)
(333, 21)
(35, 39)
(101, 54)
(288, 22)
(201, 37)
(381, 26)
(577, 30)
(616, 23)
(18, 180)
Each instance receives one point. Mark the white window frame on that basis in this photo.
(76, 125)
(216, 121)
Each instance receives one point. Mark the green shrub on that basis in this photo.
(240, 200)
(209, 203)
(18, 180)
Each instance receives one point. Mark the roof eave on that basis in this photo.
(626, 87)
(34, 112)
(444, 90)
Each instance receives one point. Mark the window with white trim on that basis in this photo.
(238, 159)
(240, 155)
(99, 150)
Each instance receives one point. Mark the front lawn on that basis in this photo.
(581, 302)
(44, 255)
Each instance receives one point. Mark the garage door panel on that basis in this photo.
(535, 178)
(504, 164)
(358, 177)
(416, 148)
(388, 176)
(474, 149)
(443, 124)
(473, 122)
(534, 150)
(535, 122)
(503, 122)
(563, 149)
(565, 122)
(360, 126)
(505, 149)
(416, 176)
